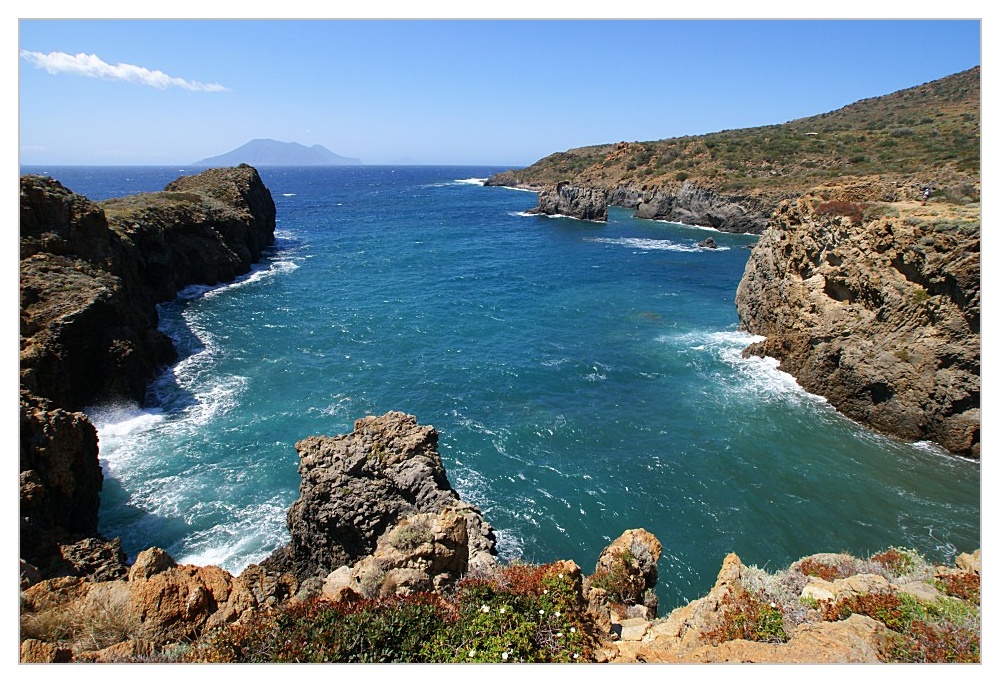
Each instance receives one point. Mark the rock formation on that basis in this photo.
(878, 314)
(589, 204)
(694, 205)
(90, 278)
(355, 487)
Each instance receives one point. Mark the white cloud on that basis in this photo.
(95, 67)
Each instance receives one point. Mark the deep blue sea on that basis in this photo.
(585, 378)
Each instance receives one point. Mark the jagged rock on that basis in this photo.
(60, 479)
(149, 562)
(881, 317)
(629, 562)
(695, 205)
(856, 640)
(96, 559)
(585, 203)
(921, 591)
(39, 652)
(354, 487)
(970, 562)
(708, 243)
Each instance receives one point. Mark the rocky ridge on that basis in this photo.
(90, 278)
(875, 306)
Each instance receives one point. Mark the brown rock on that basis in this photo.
(149, 562)
(37, 651)
(881, 317)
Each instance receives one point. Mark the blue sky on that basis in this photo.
(446, 92)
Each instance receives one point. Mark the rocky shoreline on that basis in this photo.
(377, 521)
(91, 276)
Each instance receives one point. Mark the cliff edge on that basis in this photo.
(875, 306)
(91, 275)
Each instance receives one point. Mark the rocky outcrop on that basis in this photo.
(90, 278)
(585, 203)
(355, 487)
(91, 275)
(695, 205)
(880, 315)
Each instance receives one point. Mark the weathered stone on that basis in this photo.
(920, 591)
(881, 317)
(149, 562)
(585, 203)
(37, 651)
(630, 629)
(355, 487)
(970, 562)
(630, 560)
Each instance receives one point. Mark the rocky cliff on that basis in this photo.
(875, 306)
(355, 487)
(90, 278)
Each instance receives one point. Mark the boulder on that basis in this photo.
(356, 487)
(585, 203)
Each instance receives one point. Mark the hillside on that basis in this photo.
(931, 131)
(262, 152)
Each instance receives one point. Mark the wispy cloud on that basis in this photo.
(93, 66)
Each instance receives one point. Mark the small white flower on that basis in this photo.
(773, 605)
(484, 609)
(572, 629)
(503, 610)
(560, 576)
(559, 635)
(558, 614)
(545, 591)
(472, 653)
(576, 656)
(504, 656)
(541, 611)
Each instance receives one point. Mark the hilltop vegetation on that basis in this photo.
(931, 131)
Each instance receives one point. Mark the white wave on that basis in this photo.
(287, 194)
(687, 225)
(509, 545)
(645, 244)
(472, 181)
(122, 419)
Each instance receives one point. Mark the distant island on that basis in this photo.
(265, 152)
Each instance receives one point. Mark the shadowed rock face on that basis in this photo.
(90, 278)
(589, 204)
(881, 317)
(356, 486)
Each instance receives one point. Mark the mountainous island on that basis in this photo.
(265, 152)
(860, 286)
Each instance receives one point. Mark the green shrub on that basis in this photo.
(746, 616)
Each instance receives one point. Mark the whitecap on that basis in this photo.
(287, 194)
(472, 181)
(646, 244)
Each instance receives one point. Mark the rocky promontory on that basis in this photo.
(357, 488)
(91, 275)
(875, 306)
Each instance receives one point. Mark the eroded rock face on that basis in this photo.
(695, 205)
(881, 317)
(354, 487)
(585, 203)
(90, 278)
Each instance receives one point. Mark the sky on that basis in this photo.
(490, 92)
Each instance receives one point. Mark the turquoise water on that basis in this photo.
(585, 378)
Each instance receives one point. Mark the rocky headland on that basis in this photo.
(875, 306)
(91, 275)
(385, 562)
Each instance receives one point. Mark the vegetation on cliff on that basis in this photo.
(929, 133)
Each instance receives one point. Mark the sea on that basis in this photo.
(585, 378)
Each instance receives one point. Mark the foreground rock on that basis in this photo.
(585, 203)
(90, 278)
(354, 487)
(880, 314)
